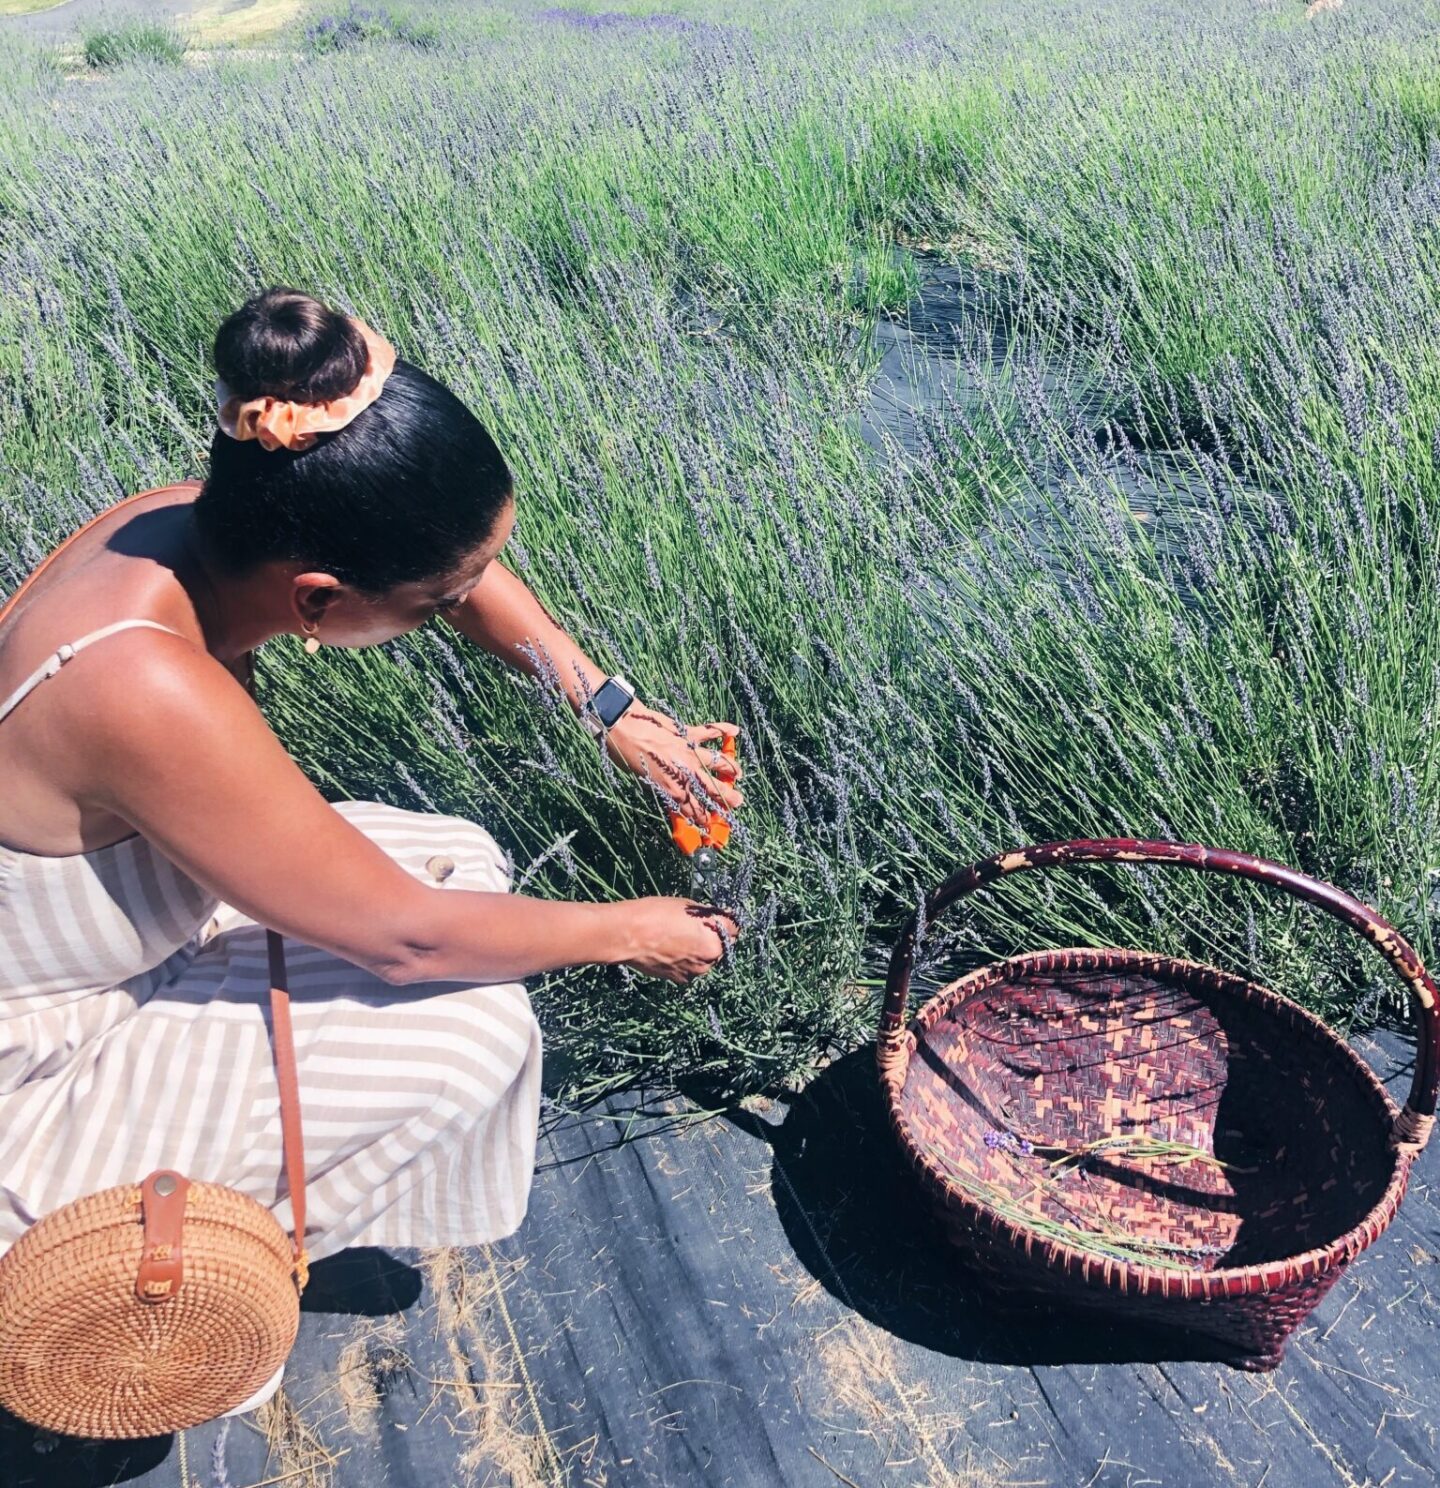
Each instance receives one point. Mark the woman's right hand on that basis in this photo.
(677, 939)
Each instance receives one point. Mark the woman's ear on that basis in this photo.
(313, 594)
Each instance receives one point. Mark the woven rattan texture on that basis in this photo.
(1068, 1048)
(87, 1357)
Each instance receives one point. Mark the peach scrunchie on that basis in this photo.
(276, 422)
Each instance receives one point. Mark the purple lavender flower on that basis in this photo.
(614, 20)
(1005, 1141)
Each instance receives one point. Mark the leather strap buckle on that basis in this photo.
(162, 1203)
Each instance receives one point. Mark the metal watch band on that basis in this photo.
(594, 719)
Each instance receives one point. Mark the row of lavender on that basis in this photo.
(643, 247)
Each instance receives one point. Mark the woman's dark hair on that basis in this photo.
(404, 492)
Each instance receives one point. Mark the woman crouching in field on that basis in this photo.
(152, 824)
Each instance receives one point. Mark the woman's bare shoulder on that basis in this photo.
(92, 536)
(153, 690)
(129, 709)
(54, 740)
(101, 573)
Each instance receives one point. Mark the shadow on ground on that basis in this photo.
(856, 1220)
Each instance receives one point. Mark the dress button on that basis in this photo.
(440, 867)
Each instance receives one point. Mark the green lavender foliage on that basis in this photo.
(133, 40)
(647, 247)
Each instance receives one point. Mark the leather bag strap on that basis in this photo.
(289, 1083)
(286, 1076)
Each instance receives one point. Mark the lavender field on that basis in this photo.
(1154, 555)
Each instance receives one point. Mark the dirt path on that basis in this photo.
(64, 20)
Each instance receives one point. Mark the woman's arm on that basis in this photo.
(197, 771)
(503, 617)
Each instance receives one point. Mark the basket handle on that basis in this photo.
(1412, 1126)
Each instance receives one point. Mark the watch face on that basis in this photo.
(611, 701)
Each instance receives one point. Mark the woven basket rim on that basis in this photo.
(1134, 1277)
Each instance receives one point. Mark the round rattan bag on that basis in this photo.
(147, 1308)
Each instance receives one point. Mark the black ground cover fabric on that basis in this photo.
(758, 1300)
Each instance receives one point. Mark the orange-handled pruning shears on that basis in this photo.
(702, 847)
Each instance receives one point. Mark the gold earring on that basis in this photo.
(312, 641)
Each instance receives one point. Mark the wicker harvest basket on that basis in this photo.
(1124, 1131)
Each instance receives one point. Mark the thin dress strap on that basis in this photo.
(53, 663)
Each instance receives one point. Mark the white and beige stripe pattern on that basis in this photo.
(134, 1034)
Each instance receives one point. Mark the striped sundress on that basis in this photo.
(135, 1034)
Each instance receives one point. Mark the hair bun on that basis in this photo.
(283, 343)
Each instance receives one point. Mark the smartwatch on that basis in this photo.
(608, 705)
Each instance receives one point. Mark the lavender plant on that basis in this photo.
(361, 24)
(1160, 562)
(132, 39)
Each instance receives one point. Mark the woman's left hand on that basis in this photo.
(646, 743)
